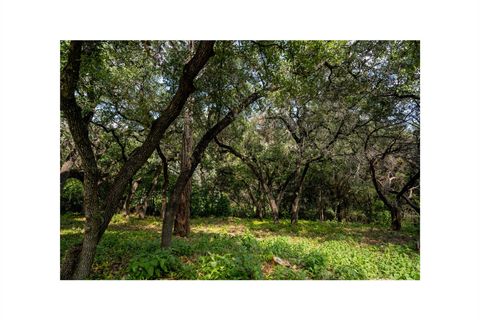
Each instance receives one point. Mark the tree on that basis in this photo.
(186, 173)
(79, 260)
(316, 129)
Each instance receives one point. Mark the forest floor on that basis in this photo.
(234, 248)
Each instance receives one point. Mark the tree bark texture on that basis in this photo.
(69, 170)
(182, 218)
(164, 184)
(395, 213)
(98, 217)
(128, 201)
(185, 175)
(298, 194)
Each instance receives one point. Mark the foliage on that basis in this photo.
(206, 203)
(227, 267)
(334, 135)
(232, 248)
(71, 197)
(158, 264)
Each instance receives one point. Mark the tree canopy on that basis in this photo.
(312, 130)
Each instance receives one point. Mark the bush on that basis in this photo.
(313, 250)
(207, 204)
(215, 266)
(154, 266)
(71, 197)
(285, 273)
(314, 262)
(356, 216)
(382, 218)
(181, 248)
(227, 267)
(281, 247)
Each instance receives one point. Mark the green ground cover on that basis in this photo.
(233, 248)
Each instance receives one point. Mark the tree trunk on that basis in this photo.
(298, 195)
(185, 175)
(396, 217)
(89, 246)
(259, 209)
(182, 218)
(126, 203)
(79, 131)
(68, 170)
(338, 212)
(164, 205)
(127, 207)
(97, 220)
(255, 201)
(147, 199)
(295, 206)
(321, 214)
(392, 207)
(273, 207)
(165, 183)
(259, 206)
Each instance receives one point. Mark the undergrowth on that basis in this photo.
(234, 249)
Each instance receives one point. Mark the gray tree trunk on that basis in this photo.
(182, 217)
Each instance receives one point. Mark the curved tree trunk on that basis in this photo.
(185, 175)
(392, 206)
(98, 217)
(265, 186)
(68, 170)
(79, 131)
(256, 201)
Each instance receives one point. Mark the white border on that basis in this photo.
(30, 34)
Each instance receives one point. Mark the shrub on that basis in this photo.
(249, 242)
(281, 247)
(314, 262)
(181, 248)
(71, 197)
(206, 203)
(227, 267)
(215, 266)
(382, 218)
(154, 266)
(285, 273)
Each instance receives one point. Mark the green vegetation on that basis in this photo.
(233, 248)
(292, 132)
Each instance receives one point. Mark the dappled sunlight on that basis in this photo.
(288, 131)
(220, 248)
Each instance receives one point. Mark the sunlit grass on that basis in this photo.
(233, 248)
